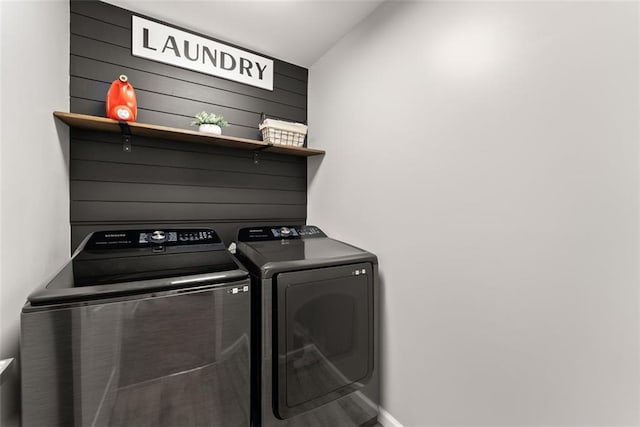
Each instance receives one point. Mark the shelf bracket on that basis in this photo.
(126, 136)
(256, 154)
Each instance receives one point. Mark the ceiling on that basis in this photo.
(296, 31)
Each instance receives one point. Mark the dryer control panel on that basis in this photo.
(279, 232)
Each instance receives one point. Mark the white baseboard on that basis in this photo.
(386, 419)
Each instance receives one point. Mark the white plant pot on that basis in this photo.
(209, 128)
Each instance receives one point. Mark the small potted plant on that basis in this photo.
(209, 123)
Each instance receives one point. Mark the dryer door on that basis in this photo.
(324, 335)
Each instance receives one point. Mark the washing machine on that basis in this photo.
(141, 328)
(315, 328)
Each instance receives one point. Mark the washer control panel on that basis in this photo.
(132, 239)
(279, 232)
(183, 237)
(284, 232)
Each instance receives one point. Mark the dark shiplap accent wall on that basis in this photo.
(166, 183)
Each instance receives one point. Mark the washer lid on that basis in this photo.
(113, 263)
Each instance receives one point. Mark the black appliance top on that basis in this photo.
(273, 249)
(118, 263)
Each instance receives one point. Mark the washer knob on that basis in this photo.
(158, 236)
(285, 232)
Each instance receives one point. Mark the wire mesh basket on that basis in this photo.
(283, 133)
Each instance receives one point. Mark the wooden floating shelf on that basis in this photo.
(104, 124)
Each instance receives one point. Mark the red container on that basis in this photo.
(121, 101)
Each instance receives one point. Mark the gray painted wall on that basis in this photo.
(163, 183)
(488, 153)
(34, 182)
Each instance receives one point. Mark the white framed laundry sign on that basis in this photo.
(158, 42)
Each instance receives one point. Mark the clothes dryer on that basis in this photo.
(314, 328)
